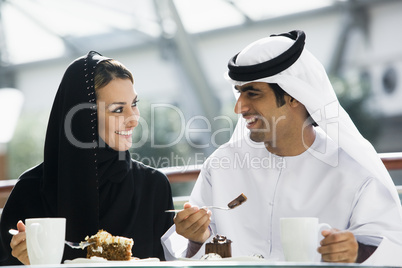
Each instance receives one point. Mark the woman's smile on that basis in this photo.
(126, 134)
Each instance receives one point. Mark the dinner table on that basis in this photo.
(198, 263)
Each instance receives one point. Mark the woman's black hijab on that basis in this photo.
(77, 164)
(84, 180)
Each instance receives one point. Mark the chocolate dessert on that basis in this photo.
(237, 201)
(219, 245)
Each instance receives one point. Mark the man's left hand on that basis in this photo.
(338, 246)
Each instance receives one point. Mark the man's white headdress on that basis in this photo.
(282, 59)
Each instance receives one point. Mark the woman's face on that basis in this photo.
(118, 113)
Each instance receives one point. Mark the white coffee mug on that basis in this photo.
(300, 238)
(45, 240)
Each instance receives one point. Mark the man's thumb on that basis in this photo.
(187, 205)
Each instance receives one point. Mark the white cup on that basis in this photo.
(300, 238)
(45, 240)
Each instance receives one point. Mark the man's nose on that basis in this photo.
(241, 106)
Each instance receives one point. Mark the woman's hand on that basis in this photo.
(18, 244)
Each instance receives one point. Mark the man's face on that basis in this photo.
(266, 121)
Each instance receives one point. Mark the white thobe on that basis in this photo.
(322, 182)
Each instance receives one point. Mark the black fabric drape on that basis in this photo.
(93, 187)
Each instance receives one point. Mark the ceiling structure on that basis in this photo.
(35, 30)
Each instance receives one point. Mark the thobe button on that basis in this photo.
(271, 203)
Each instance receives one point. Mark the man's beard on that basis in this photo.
(257, 136)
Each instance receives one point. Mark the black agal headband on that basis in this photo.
(271, 67)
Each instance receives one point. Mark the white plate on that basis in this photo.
(239, 258)
(102, 260)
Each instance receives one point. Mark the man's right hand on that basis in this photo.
(18, 244)
(192, 223)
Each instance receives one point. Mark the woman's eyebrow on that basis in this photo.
(121, 102)
(117, 103)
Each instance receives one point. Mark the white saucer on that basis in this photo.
(102, 260)
(239, 258)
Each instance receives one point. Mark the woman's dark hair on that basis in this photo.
(280, 99)
(108, 70)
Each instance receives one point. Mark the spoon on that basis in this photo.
(75, 245)
(231, 205)
(204, 207)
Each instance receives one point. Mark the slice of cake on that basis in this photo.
(109, 247)
(219, 245)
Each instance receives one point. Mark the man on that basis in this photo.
(289, 168)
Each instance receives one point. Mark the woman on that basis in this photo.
(87, 175)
